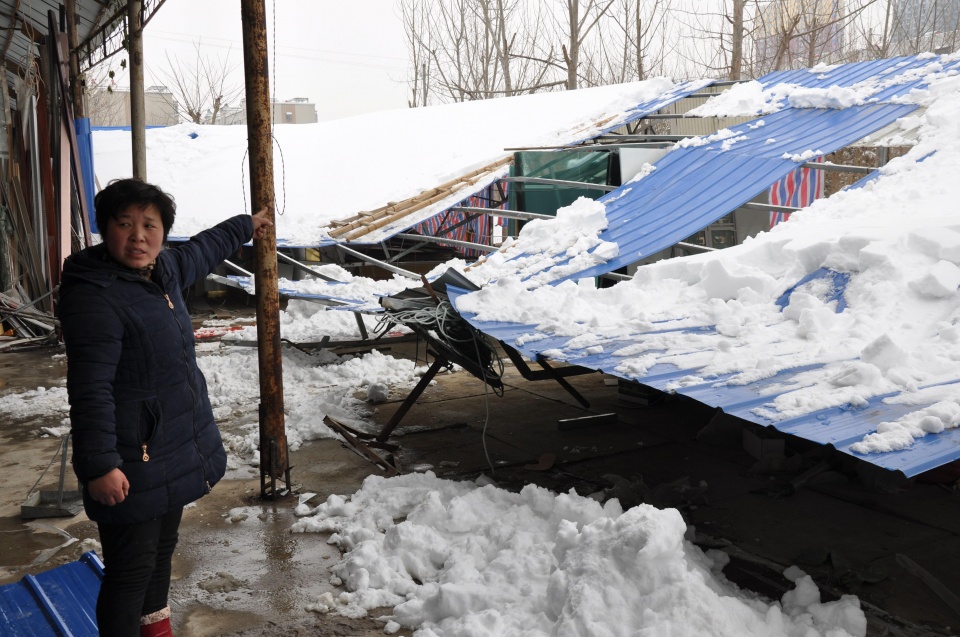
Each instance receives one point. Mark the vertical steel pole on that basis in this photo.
(76, 82)
(138, 117)
(273, 438)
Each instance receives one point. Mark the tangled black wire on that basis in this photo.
(441, 323)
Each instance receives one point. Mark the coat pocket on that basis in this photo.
(138, 421)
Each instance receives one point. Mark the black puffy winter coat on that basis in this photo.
(138, 401)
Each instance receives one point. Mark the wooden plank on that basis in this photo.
(397, 210)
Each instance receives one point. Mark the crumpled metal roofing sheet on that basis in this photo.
(695, 186)
(840, 426)
(55, 603)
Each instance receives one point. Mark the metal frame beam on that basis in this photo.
(558, 182)
(506, 214)
(840, 168)
(378, 262)
(454, 242)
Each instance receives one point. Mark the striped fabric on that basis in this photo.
(799, 189)
(477, 230)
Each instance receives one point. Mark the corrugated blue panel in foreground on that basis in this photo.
(56, 603)
(839, 427)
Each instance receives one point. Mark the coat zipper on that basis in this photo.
(143, 446)
(193, 394)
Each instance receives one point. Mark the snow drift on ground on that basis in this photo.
(456, 558)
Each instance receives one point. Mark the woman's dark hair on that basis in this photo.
(120, 194)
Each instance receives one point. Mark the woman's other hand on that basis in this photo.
(260, 223)
(109, 489)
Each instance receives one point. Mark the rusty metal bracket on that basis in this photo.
(438, 362)
(354, 442)
(559, 375)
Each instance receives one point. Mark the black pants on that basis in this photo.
(136, 560)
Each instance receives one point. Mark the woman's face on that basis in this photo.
(135, 236)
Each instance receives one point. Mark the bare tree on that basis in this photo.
(802, 34)
(909, 27)
(415, 17)
(578, 21)
(632, 41)
(105, 106)
(201, 85)
(748, 38)
(474, 49)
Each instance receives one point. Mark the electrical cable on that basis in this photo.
(283, 165)
(486, 419)
(450, 328)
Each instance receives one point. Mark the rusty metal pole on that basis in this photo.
(138, 116)
(76, 81)
(273, 438)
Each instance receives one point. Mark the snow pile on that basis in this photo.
(454, 558)
(42, 401)
(547, 250)
(314, 386)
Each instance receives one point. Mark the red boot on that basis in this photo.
(156, 624)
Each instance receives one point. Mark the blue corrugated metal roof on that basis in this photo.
(901, 73)
(843, 74)
(56, 603)
(840, 426)
(696, 185)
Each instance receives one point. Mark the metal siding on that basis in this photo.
(652, 106)
(61, 601)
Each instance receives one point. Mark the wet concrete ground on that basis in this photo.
(239, 571)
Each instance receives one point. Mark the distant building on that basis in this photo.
(798, 34)
(298, 110)
(925, 25)
(112, 108)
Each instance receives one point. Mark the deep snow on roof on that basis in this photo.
(334, 169)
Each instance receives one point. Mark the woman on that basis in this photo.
(144, 439)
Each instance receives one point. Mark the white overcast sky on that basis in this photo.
(345, 57)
